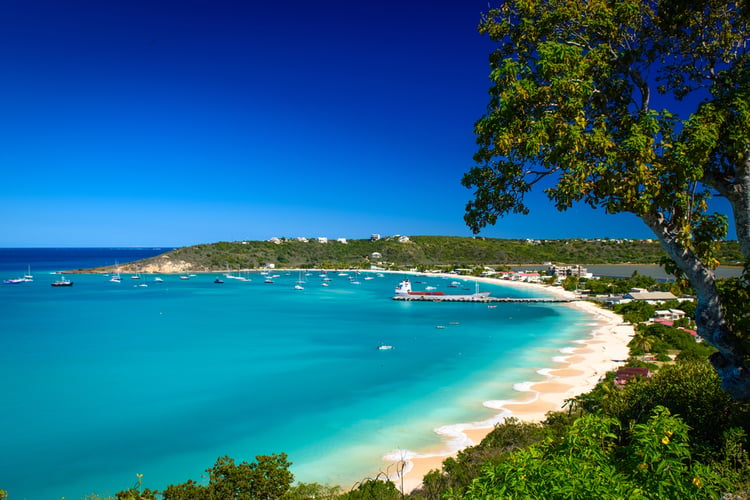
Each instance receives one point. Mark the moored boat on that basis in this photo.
(62, 282)
(404, 288)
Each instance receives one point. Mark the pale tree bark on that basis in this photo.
(737, 191)
(709, 318)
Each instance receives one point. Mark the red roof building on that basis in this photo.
(624, 375)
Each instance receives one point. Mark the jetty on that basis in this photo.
(469, 298)
(404, 292)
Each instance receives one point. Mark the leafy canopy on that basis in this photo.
(573, 88)
(639, 106)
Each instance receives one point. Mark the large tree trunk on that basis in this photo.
(729, 360)
(737, 191)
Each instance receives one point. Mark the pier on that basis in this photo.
(468, 298)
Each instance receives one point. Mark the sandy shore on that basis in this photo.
(576, 370)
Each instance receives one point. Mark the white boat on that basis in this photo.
(299, 283)
(25, 279)
(158, 279)
(384, 347)
(116, 276)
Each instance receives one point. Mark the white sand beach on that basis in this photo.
(576, 370)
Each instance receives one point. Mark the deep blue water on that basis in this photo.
(16, 261)
(102, 381)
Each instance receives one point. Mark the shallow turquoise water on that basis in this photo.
(101, 381)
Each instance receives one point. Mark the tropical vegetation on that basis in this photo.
(418, 252)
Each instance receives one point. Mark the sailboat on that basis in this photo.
(116, 276)
(300, 281)
(28, 276)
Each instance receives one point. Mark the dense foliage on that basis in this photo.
(424, 252)
(676, 435)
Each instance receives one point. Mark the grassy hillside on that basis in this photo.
(419, 251)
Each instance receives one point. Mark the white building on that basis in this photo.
(669, 314)
(565, 271)
(322, 239)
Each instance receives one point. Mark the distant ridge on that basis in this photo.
(423, 252)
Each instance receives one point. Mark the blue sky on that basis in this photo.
(177, 122)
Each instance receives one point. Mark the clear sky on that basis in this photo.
(177, 122)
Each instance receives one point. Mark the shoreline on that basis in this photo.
(576, 370)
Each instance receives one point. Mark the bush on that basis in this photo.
(588, 463)
(689, 389)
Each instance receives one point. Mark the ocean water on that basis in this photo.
(102, 381)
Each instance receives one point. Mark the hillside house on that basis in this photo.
(669, 314)
(624, 375)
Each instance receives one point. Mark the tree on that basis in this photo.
(578, 101)
(588, 463)
(373, 489)
(267, 478)
(641, 342)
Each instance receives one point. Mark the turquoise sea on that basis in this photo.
(101, 381)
